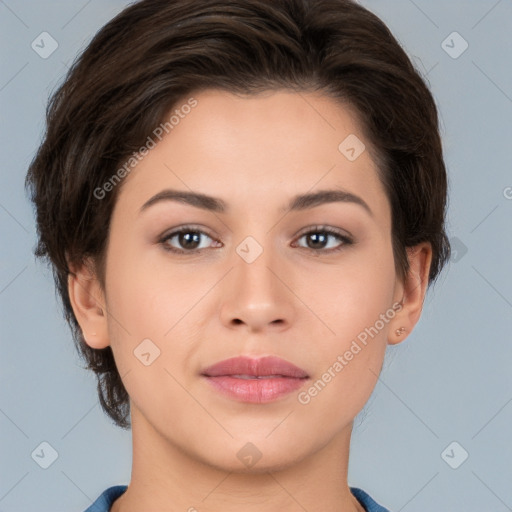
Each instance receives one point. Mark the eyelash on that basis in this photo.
(315, 230)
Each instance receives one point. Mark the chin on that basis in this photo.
(248, 458)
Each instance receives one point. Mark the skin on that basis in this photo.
(293, 301)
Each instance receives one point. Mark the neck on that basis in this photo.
(166, 478)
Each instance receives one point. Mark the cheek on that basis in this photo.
(150, 295)
(353, 306)
(349, 359)
(151, 309)
(351, 296)
(148, 320)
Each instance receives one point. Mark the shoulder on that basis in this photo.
(106, 498)
(367, 501)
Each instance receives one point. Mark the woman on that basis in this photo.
(243, 203)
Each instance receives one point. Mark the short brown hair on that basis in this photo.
(156, 51)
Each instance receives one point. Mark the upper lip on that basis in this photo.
(264, 366)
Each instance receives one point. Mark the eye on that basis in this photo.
(317, 239)
(188, 239)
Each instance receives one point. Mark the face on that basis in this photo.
(254, 273)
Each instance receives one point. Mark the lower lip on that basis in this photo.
(256, 391)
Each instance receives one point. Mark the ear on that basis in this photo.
(88, 303)
(411, 292)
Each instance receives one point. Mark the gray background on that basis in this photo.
(450, 381)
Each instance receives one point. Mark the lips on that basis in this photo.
(255, 381)
(246, 368)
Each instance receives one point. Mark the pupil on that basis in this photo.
(186, 240)
(316, 237)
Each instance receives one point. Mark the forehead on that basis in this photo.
(266, 146)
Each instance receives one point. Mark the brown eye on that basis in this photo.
(323, 240)
(186, 239)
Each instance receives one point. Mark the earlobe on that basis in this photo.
(88, 303)
(414, 291)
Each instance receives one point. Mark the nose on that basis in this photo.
(258, 295)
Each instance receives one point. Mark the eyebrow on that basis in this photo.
(297, 203)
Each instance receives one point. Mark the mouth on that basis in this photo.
(252, 380)
(257, 376)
